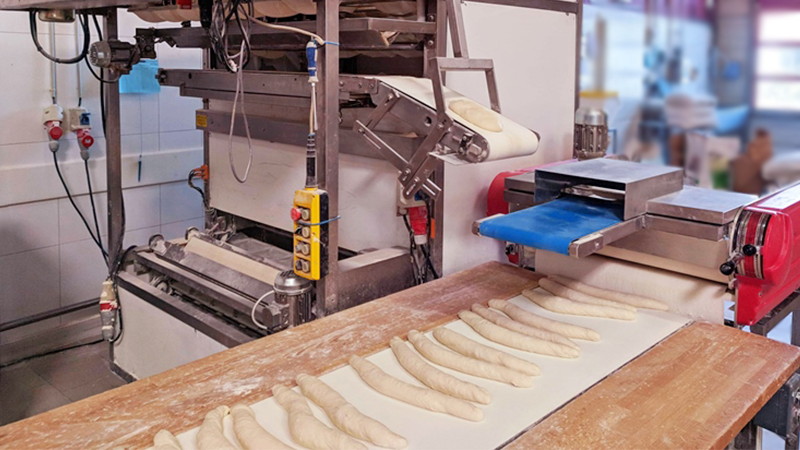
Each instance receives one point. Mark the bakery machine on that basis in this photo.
(600, 212)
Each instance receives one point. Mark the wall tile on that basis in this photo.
(71, 227)
(150, 113)
(151, 142)
(180, 140)
(29, 283)
(130, 114)
(142, 207)
(28, 226)
(82, 272)
(179, 202)
(24, 154)
(178, 229)
(176, 112)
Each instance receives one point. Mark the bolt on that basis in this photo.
(431, 17)
(341, 83)
(430, 43)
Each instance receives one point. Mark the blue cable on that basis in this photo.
(319, 223)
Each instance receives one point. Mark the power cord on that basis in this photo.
(253, 311)
(94, 208)
(35, 36)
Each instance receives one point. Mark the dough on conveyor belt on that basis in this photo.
(210, 436)
(467, 347)
(559, 290)
(346, 417)
(528, 318)
(563, 306)
(464, 364)
(250, 434)
(629, 299)
(164, 440)
(413, 395)
(434, 378)
(306, 429)
(503, 321)
(516, 340)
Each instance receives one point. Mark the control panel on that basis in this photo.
(310, 216)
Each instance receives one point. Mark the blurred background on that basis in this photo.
(709, 85)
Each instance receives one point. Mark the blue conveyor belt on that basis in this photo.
(554, 225)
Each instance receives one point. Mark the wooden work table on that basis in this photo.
(696, 389)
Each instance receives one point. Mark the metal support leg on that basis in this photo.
(113, 154)
(328, 147)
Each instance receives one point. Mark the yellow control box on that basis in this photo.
(310, 216)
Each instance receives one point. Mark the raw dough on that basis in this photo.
(516, 340)
(464, 364)
(472, 349)
(164, 440)
(306, 429)
(528, 318)
(413, 395)
(477, 114)
(564, 306)
(435, 378)
(210, 436)
(250, 434)
(503, 321)
(559, 290)
(629, 299)
(346, 417)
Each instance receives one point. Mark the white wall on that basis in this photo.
(47, 259)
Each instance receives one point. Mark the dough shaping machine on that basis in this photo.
(644, 214)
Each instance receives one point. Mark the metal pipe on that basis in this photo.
(64, 310)
(113, 154)
(53, 67)
(78, 33)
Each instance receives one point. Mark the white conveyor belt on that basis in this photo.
(511, 411)
(514, 139)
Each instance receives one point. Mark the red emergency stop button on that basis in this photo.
(296, 214)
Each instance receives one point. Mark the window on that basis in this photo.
(778, 61)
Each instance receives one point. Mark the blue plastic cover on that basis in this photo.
(554, 225)
(142, 79)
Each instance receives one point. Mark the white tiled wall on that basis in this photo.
(47, 259)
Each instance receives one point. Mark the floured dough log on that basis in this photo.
(250, 434)
(472, 349)
(516, 340)
(477, 114)
(435, 378)
(306, 429)
(346, 417)
(559, 290)
(413, 395)
(628, 299)
(210, 436)
(528, 318)
(503, 321)
(564, 306)
(164, 440)
(464, 364)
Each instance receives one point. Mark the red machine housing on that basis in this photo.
(768, 277)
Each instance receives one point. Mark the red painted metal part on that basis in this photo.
(774, 227)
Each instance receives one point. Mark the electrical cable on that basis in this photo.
(430, 263)
(35, 37)
(192, 175)
(75, 206)
(240, 90)
(94, 208)
(253, 311)
(88, 64)
(117, 266)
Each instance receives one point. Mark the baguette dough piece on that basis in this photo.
(472, 349)
(559, 290)
(346, 417)
(413, 395)
(516, 340)
(164, 440)
(477, 114)
(464, 364)
(564, 306)
(306, 429)
(210, 436)
(628, 299)
(528, 318)
(250, 434)
(435, 378)
(503, 321)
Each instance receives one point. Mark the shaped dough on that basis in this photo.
(164, 440)
(306, 429)
(346, 417)
(516, 340)
(628, 299)
(210, 436)
(435, 378)
(528, 318)
(413, 395)
(564, 306)
(464, 364)
(559, 290)
(503, 321)
(250, 434)
(477, 114)
(472, 349)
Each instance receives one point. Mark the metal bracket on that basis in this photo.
(781, 414)
(594, 242)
